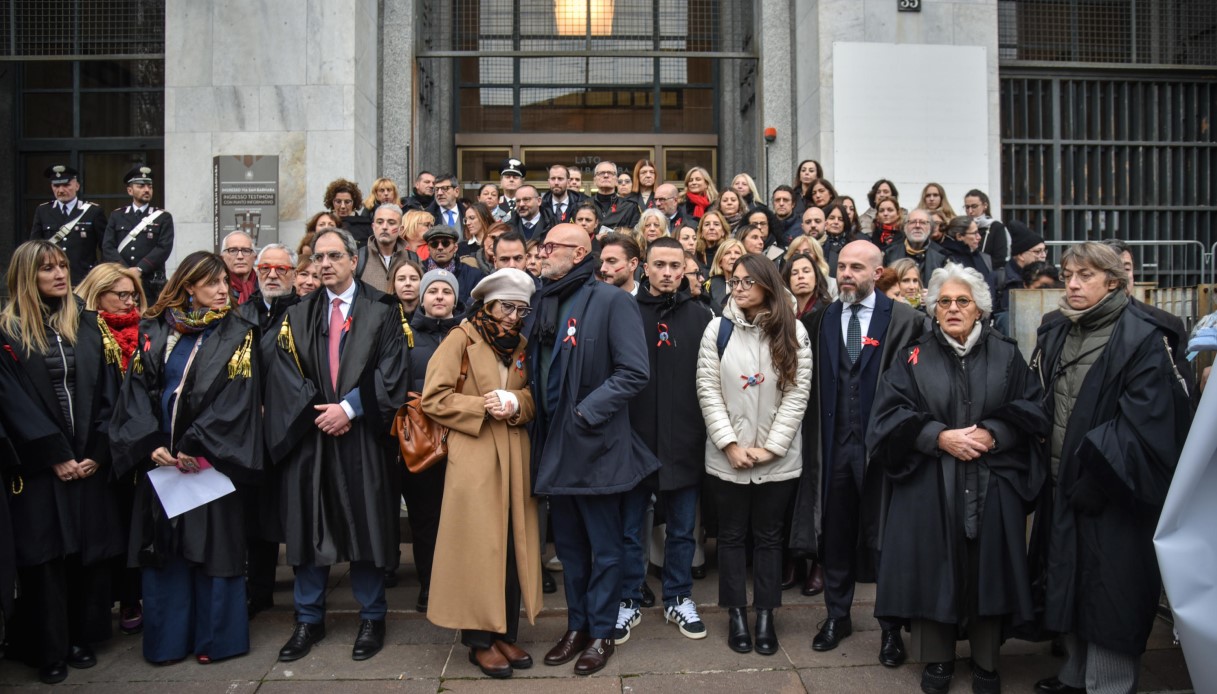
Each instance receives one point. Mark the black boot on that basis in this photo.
(766, 637)
(739, 638)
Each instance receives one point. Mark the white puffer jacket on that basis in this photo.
(758, 416)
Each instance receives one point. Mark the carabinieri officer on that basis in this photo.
(72, 224)
(139, 235)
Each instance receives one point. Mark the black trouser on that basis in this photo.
(763, 508)
(62, 604)
(262, 561)
(424, 493)
(842, 517)
(475, 638)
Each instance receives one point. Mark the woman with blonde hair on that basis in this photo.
(414, 224)
(934, 199)
(651, 225)
(65, 517)
(383, 190)
(117, 294)
(711, 231)
(745, 186)
(728, 252)
(699, 194)
(197, 366)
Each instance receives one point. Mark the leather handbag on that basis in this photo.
(422, 441)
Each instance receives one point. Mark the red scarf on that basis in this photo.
(700, 203)
(243, 288)
(126, 331)
(886, 232)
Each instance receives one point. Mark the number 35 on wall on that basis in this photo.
(908, 5)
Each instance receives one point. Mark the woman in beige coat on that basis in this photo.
(489, 518)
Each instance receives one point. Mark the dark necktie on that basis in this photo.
(853, 336)
(527, 229)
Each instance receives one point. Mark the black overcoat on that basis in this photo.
(337, 501)
(216, 418)
(52, 518)
(922, 568)
(1098, 568)
(666, 414)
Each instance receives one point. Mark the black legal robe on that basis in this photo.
(217, 418)
(337, 499)
(52, 518)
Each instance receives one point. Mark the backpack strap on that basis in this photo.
(725, 327)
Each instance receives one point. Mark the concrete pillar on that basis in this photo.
(776, 162)
(397, 91)
(297, 79)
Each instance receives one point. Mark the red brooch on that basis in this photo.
(913, 355)
(868, 341)
(753, 380)
(11, 353)
(663, 336)
(346, 325)
(147, 343)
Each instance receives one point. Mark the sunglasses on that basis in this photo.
(442, 242)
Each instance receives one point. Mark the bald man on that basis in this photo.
(854, 341)
(587, 360)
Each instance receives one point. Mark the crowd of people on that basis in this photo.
(831, 394)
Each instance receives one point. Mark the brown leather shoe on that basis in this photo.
(490, 662)
(567, 649)
(814, 585)
(595, 657)
(518, 657)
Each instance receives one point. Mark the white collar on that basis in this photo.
(347, 297)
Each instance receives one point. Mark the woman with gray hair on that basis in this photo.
(957, 425)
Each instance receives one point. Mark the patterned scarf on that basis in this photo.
(125, 327)
(193, 321)
(503, 341)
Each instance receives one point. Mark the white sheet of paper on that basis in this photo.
(180, 492)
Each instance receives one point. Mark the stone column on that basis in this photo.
(776, 161)
(297, 79)
(397, 91)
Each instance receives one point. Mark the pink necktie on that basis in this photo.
(335, 340)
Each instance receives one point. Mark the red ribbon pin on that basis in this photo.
(570, 333)
(868, 341)
(663, 336)
(753, 380)
(913, 355)
(11, 353)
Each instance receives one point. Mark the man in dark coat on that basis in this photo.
(917, 245)
(275, 267)
(1120, 417)
(667, 416)
(531, 218)
(449, 208)
(615, 211)
(74, 225)
(839, 491)
(560, 200)
(139, 235)
(588, 359)
(667, 201)
(441, 242)
(339, 375)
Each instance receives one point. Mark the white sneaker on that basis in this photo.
(684, 613)
(554, 564)
(629, 614)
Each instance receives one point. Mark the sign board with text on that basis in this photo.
(246, 197)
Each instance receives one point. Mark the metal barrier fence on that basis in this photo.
(1163, 263)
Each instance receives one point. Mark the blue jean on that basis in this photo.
(680, 513)
(634, 506)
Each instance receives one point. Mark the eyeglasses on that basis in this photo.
(660, 200)
(239, 251)
(123, 296)
(695, 275)
(737, 282)
(441, 242)
(605, 173)
(548, 247)
(266, 269)
(917, 223)
(509, 308)
(444, 189)
(962, 302)
(334, 256)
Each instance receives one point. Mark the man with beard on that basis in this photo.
(374, 261)
(531, 218)
(812, 223)
(560, 200)
(139, 235)
(615, 211)
(788, 223)
(588, 358)
(667, 201)
(276, 271)
(341, 369)
(74, 225)
(916, 244)
(667, 416)
(853, 340)
(619, 256)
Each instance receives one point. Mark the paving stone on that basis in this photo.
(425, 686)
(776, 682)
(596, 684)
(331, 660)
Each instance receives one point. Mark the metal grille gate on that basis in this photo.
(1092, 156)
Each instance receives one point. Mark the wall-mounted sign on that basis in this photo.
(908, 5)
(246, 197)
